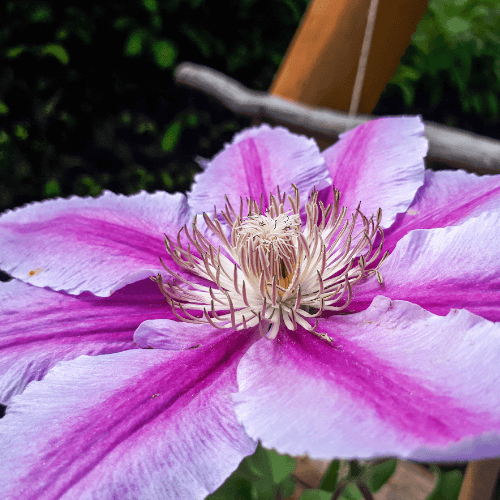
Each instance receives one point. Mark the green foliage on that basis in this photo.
(379, 474)
(171, 136)
(87, 94)
(262, 476)
(58, 51)
(88, 187)
(454, 56)
(21, 132)
(164, 52)
(52, 188)
(374, 476)
(316, 495)
(330, 478)
(448, 485)
(133, 46)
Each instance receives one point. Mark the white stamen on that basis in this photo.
(272, 271)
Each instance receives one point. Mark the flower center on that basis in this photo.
(271, 270)
(277, 237)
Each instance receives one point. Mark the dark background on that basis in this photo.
(88, 102)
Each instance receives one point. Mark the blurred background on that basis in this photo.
(88, 101)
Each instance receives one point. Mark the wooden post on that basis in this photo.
(320, 66)
(480, 479)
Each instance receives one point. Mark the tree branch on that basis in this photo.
(454, 147)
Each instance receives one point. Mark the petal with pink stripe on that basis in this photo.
(41, 327)
(173, 334)
(380, 164)
(447, 198)
(87, 244)
(444, 268)
(397, 381)
(258, 160)
(144, 424)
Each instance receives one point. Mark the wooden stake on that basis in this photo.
(320, 66)
(480, 479)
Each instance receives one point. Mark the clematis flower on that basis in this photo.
(341, 304)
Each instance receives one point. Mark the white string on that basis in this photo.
(363, 58)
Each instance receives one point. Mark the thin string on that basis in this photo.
(363, 58)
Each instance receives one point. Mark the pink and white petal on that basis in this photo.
(380, 164)
(397, 381)
(87, 244)
(138, 425)
(173, 334)
(258, 160)
(447, 198)
(41, 327)
(444, 268)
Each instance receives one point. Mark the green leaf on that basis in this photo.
(235, 488)
(15, 51)
(457, 25)
(171, 136)
(408, 92)
(150, 5)
(122, 23)
(41, 14)
(282, 466)
(405, 73)
(126, 117)
(4, 137)
(294, 9)
(330, 478)
(259, 477)
(21, 132)
(164, 52)
(58, 51)
(492, 101)
(447, 487)
(146, 126)
(379, 474)
(351, 492)
(355, 469)
(167, 180)
(52, 188)
(287, 487)
(133, 46)
(316, 495)
(88, 186)
(4, 109)
(156, 21)
(192, 120)
(201, 39)
(477, 103)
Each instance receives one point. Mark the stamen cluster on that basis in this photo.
(271, 270)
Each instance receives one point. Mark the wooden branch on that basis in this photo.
(454, 147)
